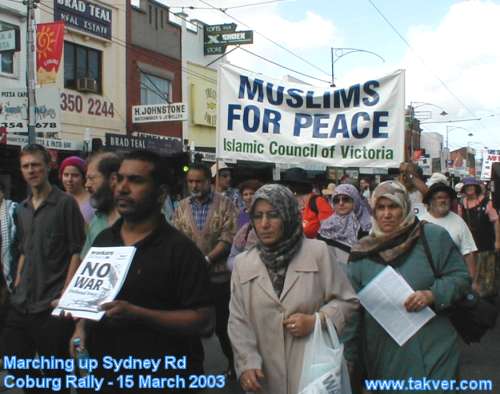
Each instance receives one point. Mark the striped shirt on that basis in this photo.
(200, 210)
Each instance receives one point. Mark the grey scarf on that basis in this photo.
(277, 257)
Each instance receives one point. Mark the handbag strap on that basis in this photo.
(427, 251)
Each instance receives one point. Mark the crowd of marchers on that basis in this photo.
(258, 265)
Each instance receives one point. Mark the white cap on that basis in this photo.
(437, 177)
(458, 187)
(213, 169)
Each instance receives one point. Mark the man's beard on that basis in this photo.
(143, 209)
(199, 194)
(102, 199)
(441, 209)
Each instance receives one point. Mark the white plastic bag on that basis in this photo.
(324, 370)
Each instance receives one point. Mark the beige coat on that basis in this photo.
(314, 282)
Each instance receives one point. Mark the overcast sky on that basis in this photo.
(451, 54)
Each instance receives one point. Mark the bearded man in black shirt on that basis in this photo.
(163, 307)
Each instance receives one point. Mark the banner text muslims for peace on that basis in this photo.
(262, 119)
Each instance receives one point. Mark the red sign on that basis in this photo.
(3, 135)
(417, 154)
(49, 46)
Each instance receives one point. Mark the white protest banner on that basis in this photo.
(270, 120)
(98, 280)
(14, 110)
(489, 157)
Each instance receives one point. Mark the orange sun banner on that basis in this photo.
(49, 45)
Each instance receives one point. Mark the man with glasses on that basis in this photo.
(102, 168)
(209, 219)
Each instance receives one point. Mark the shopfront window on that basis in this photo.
(81, 62)
(154, 90)
(7, 58)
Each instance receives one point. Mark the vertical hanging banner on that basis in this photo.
(49, 46)
(276, 121)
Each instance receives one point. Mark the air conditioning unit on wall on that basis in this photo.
(86, 85)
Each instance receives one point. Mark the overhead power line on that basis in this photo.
(190, 7)
(420, 58)
(48, 10)
(282, 66)
(193, 73)
(266, 37)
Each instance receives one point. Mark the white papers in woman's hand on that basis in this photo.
(384, 299)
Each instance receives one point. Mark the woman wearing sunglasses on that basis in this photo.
(351, 221)
(276, 288)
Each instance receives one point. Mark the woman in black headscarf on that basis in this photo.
(276, 289)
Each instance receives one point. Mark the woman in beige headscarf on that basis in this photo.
(397, 240)
(276, 289)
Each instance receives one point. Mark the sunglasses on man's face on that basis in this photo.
(339, 199)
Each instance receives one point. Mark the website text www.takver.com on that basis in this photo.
(425, 384)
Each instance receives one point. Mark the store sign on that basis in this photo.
(425, 163)
(21, 140)
(217, 37)
(9, 40)
(204, 98)
(142, 134)
(125, 142)
(159, 113)
(276, 121)
(84, 15)
(205, 156)
(14, 110)
(489, 157)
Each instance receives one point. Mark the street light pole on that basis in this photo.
(30, 69)
(411, 115)
(417, 104)
(338, 53)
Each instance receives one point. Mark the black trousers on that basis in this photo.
(28, 335)
(221, 293)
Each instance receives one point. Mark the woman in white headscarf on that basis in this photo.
(397, 240)
(276, 289)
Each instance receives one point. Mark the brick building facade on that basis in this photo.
(153, 65)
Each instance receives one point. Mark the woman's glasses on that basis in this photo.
(343, 199)
(270, 215)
